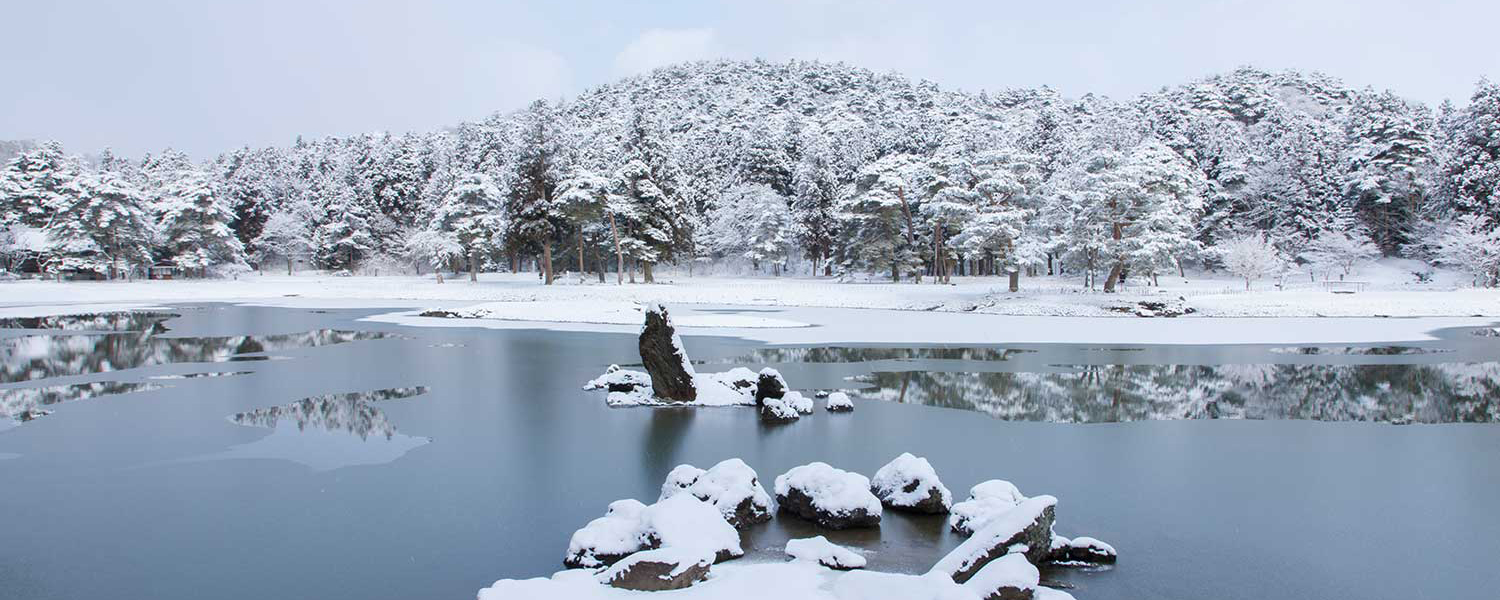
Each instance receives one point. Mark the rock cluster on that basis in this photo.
(911, 484)
(731, 486)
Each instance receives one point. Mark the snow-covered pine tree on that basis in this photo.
(1471, 157)
(33, 183)
(877, 216)
(753, 222)
(471, 214)
(534, 224)
(194, 224)
(99, 225)
(1388, 162)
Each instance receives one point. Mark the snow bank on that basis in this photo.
(910, 483)
(601, 312)
(610, 537)
(987, 500)
(800, 580)
(820, 550)
(831, 497)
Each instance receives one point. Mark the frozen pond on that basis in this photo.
(247, 452)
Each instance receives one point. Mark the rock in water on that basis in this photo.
(769, 384)
(832, 498)
(820, 550)
(665, 359)
(1025, 529)
(659, 570)
(909, 483)
(1009, 577)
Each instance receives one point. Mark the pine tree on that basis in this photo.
(194, 224)
(470, 213)
(100, 225)
(33, 183)
(534, 224)
(1471, 164)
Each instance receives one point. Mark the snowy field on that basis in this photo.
(972, 310)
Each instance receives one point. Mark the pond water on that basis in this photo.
(154, 456)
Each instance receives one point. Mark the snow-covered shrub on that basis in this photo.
(1250, 257)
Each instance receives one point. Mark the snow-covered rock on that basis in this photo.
(830, 497)
(665, 358)
(659, 570)
(910, 483)
(1025, 529)
(769, 384)
(679, 479)
(839, 402)
(1009, 577)
(610, 538)
(731, 486)
(798, 402)
(1081, 551)
(616, 379)
(680, 521)
(986, 501)
(778, 410)
(818, 549)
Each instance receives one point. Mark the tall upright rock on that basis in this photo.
(664, 357)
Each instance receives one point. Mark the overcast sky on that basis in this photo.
(205, 76)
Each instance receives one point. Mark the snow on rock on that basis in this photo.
(910, 483)
(769, 384)
(839, 402)
(665, 358)
(830, 497)
(1009, 577)
(616, 379)
(659, 570)
(679, 479)
(986, 501)
(680, 521)
(1081, 551)
(820, 550)
(609, 538)
(1025, 529)
(778, 410)
(797, 401)
(731, 486)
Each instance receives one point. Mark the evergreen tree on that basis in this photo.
(194, 224)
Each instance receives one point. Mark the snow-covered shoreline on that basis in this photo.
(795, 310)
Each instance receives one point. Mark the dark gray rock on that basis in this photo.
(798, 503)
(664, 358)
(769, 385)
(1026, 529)
(657, 570)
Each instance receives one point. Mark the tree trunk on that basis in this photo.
(911, 235)
(619, 254)
(289, 266)
(547, 261)
(580, 254)
(1015, 280)
(646, 275)
(473, 265)
(1114, 277)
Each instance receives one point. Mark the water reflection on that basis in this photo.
(327, 432)
(33, 357)
(1431, 393)
(114, 321)
(841, 354)
(351, 413)
(20, 405)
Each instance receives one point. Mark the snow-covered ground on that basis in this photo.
(971, 311)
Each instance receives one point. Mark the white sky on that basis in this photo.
(205, 76)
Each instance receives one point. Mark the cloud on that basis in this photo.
(660, 47)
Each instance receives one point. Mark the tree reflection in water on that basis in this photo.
(20, 405)
(351, 412)
(1431, 393)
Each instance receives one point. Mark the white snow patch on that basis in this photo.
(987, 500)
(1011, 570)
(605, 312)
(714, 389)
(820, 550)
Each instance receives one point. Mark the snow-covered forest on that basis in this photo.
(810, 168)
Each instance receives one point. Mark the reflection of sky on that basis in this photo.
(320, 449)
